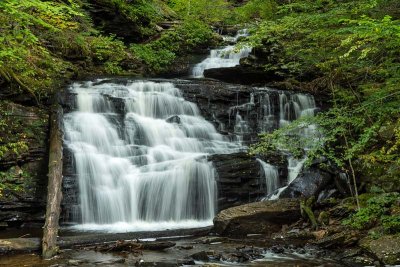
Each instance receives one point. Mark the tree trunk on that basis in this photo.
(54, 194)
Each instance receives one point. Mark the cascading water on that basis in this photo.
(294, 106)
(277, 109)
(233, 39)
(226, 57)
(145, 169)
(271, 175)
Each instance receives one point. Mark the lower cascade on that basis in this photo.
(142, 166)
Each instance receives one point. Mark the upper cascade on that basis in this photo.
(226, 57)
(146, 167)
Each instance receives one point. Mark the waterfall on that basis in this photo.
(144, 169)
(294, 106)
(225, 57)
(233, 39)
(271, 175)
(291, 107)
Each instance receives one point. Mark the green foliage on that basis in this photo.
(161, 53)
(143, 14)
(40, 38)
(254, 10)
(378, 210)
(17, 132)
(343, 49)
(207, 11)
(15, 180)
(108, 51)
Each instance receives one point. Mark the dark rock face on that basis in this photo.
(241, 75)
(22, 200)
(264, 217)
(110, 19)
(220, 103)
(317, 182)
(309, 183)
(240, 178)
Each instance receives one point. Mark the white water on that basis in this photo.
(239, 34)
(145, 169)
(225, 57)
(276, 109)
(292, 107)
(271, 176)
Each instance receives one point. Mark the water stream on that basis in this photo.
(225, 57)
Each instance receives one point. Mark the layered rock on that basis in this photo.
(240, 178)
(24, 175)
(241, 75)
(264, 217)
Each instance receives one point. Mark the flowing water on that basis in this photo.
(271, 175)
(275, 109)
(226, 57)
(144, 169)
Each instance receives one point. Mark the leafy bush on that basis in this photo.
(161, 53)
(378, 209)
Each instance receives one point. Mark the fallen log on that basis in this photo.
(19, 245)
(134, 246)
(54, 193)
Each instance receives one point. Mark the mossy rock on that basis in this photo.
(385, 248)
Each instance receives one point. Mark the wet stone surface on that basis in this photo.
(203, 251)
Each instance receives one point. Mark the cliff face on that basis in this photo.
(23, 169)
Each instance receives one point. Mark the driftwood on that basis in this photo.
(134, 246)
(54, 193)
(91, 241)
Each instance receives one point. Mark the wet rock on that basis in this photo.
(174, 119)
(185, 247)
(339, 240)
(158, 264)
(264, 217)
(200, 256)
(19, 245)
(3, 225)
(241, 179)
(310, 182)
(385, 248)
(277, 249)
(241, 75)
(186, 262)
(235, 257)
(74, 262)
(210, 239)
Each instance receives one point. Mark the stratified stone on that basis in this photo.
(264, 217)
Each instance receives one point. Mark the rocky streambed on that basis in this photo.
(269, 233)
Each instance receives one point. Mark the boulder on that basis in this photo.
(310, 182)
(19, 245)
(385, 248)
(264, 217)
